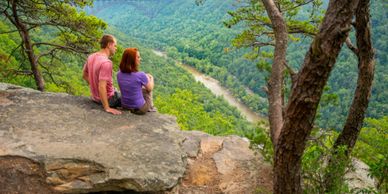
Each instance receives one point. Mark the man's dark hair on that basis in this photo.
(105, 40)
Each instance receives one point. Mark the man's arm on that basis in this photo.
(85, 73)
(104, 98)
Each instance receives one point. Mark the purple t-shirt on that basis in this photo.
(131, 88)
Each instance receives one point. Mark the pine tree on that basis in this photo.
(68, 30)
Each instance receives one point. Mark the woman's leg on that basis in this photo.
(148, 105)
(149, 100)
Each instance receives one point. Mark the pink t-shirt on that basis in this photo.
(99, 67)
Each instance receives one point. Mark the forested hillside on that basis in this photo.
(196, 36)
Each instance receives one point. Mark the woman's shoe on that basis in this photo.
(153, 109)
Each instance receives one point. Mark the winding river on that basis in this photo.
(215, 87)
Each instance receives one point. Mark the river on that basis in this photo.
(215, 87)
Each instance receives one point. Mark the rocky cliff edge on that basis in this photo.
(53, 142)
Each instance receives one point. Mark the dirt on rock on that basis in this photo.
(201, 175)
(208, 173)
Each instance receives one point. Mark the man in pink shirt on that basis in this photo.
(98, 73)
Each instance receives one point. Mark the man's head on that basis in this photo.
(108, 42)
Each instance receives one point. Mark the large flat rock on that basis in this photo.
(84, 149)
(58, 143)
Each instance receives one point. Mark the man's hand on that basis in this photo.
(113, 111)
(104, 98)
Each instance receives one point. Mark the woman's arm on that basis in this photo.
(150, 85)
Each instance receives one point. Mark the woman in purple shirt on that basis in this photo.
(135, 86)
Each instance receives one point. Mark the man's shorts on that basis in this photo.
(114, 101)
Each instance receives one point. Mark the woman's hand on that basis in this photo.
(150, 86)
(150, 76)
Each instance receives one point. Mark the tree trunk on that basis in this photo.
(306, 93)
(365, 78)
(275, 85)
(365, 54)
(27, 46)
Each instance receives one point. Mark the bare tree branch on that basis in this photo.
(59, 47)
(10, 18)
(262, 44)
(9, 32)
(47, 72)
(23, 72)
(8, 6)
(293, 74)
(12, 31)
(265, 89)
(299, 5)
(265, 33)
(8, 72)
(50, 52)
(9, 56)
(351, 46)
(301, 31)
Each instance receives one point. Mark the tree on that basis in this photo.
(365, 54)
(270, 23)
(306, 93)
(68, 30)
(275, 84)
(291, 127)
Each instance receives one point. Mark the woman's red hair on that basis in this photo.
(128, 61)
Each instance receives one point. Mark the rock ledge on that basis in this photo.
(68, 144)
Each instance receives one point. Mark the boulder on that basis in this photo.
(357, 177)
(54, 142)
(223, 165)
